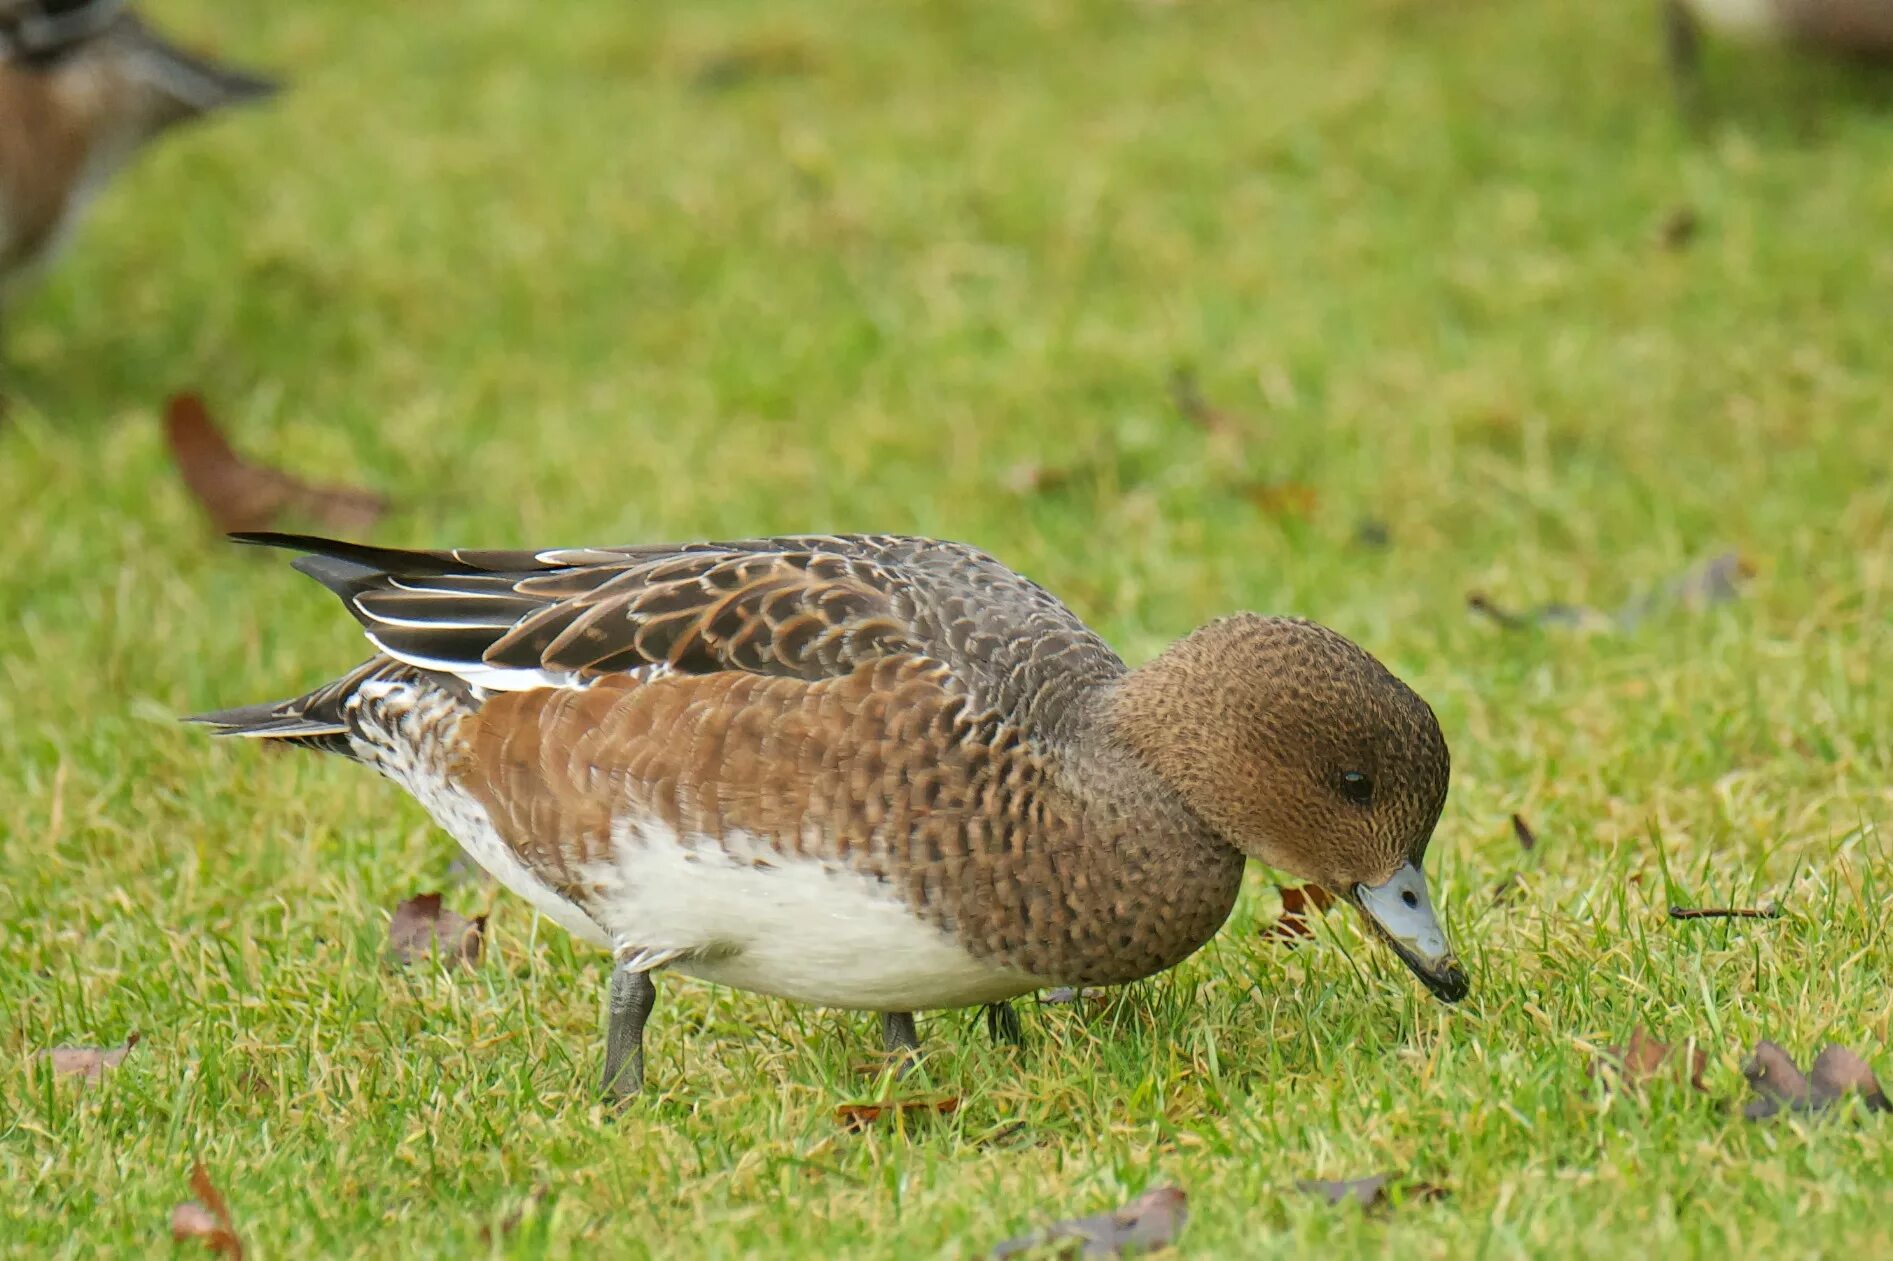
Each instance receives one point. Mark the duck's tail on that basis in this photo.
(317, 720)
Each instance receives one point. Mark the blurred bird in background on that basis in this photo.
(1859, 29)
(84, 85)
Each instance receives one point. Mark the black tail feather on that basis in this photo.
(318, 720)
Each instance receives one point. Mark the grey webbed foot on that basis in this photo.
(633, 994)
(1002, 1025)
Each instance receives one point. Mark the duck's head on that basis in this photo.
(1301, 750)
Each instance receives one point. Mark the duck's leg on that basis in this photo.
(1002, 1025)
(1682, 46)
(900, 1039)
(633, 994)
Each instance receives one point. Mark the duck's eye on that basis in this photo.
(1357, 788)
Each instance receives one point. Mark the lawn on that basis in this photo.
(1472, 309)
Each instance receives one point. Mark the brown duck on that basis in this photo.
(84, 85)
(878, 773)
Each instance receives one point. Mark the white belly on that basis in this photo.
(755, 920)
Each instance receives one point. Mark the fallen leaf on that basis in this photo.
(89, 1062)
(765, 59)
(1527, 840)
(1150, 1222)
(1370, 1192)
(1838, 1071)
(1283, 499)
(1371, 532)
(1508, 890)
(857, 1117)
(1300, 903)
(1779, 1085)
(1642, 1060)
(1769, 911)
(206, 1218)
(1187, 397)
(1773, 1076)
(240, 495)
(1029, 477)
(1678, 228)
(422, 927)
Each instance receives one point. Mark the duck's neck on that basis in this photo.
(1147, 877)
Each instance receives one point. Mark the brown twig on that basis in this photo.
(1771, 911)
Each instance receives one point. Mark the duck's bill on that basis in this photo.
(1401, 913)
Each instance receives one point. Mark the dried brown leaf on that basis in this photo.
(1776, 1081)
(1186, 394)
(207, 1218)
(238, 494)
(1283, 499)
(1300, 903)
(857, 1117)
(1779, 1085)
(1678, 228)
(1527, 839)
(1838, 1072)
(1643, 1060)
(88, 1062)
(422, 927)
(1369, 1192)
(1148, 1223)
(1029, 477)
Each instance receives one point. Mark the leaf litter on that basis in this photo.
(88, 1062)
(238, 494)
(858, 1118)
(422, 928)
(1186, 395)
(1512, 887)
(1148, 1223)
(1643, 1059)
(1780, 1086)
(206, 1218)
(1376, 1191)
(1300, 904)
(1717, 580)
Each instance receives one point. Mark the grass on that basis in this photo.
(644, 272)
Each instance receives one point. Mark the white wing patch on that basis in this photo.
(485, 678)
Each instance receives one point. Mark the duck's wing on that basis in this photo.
(808, 607)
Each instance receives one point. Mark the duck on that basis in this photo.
(870, 772)
(85, 85)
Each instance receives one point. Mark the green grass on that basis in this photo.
(578, 279)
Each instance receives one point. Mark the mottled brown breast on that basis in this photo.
(886, 770)
(43, 144)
